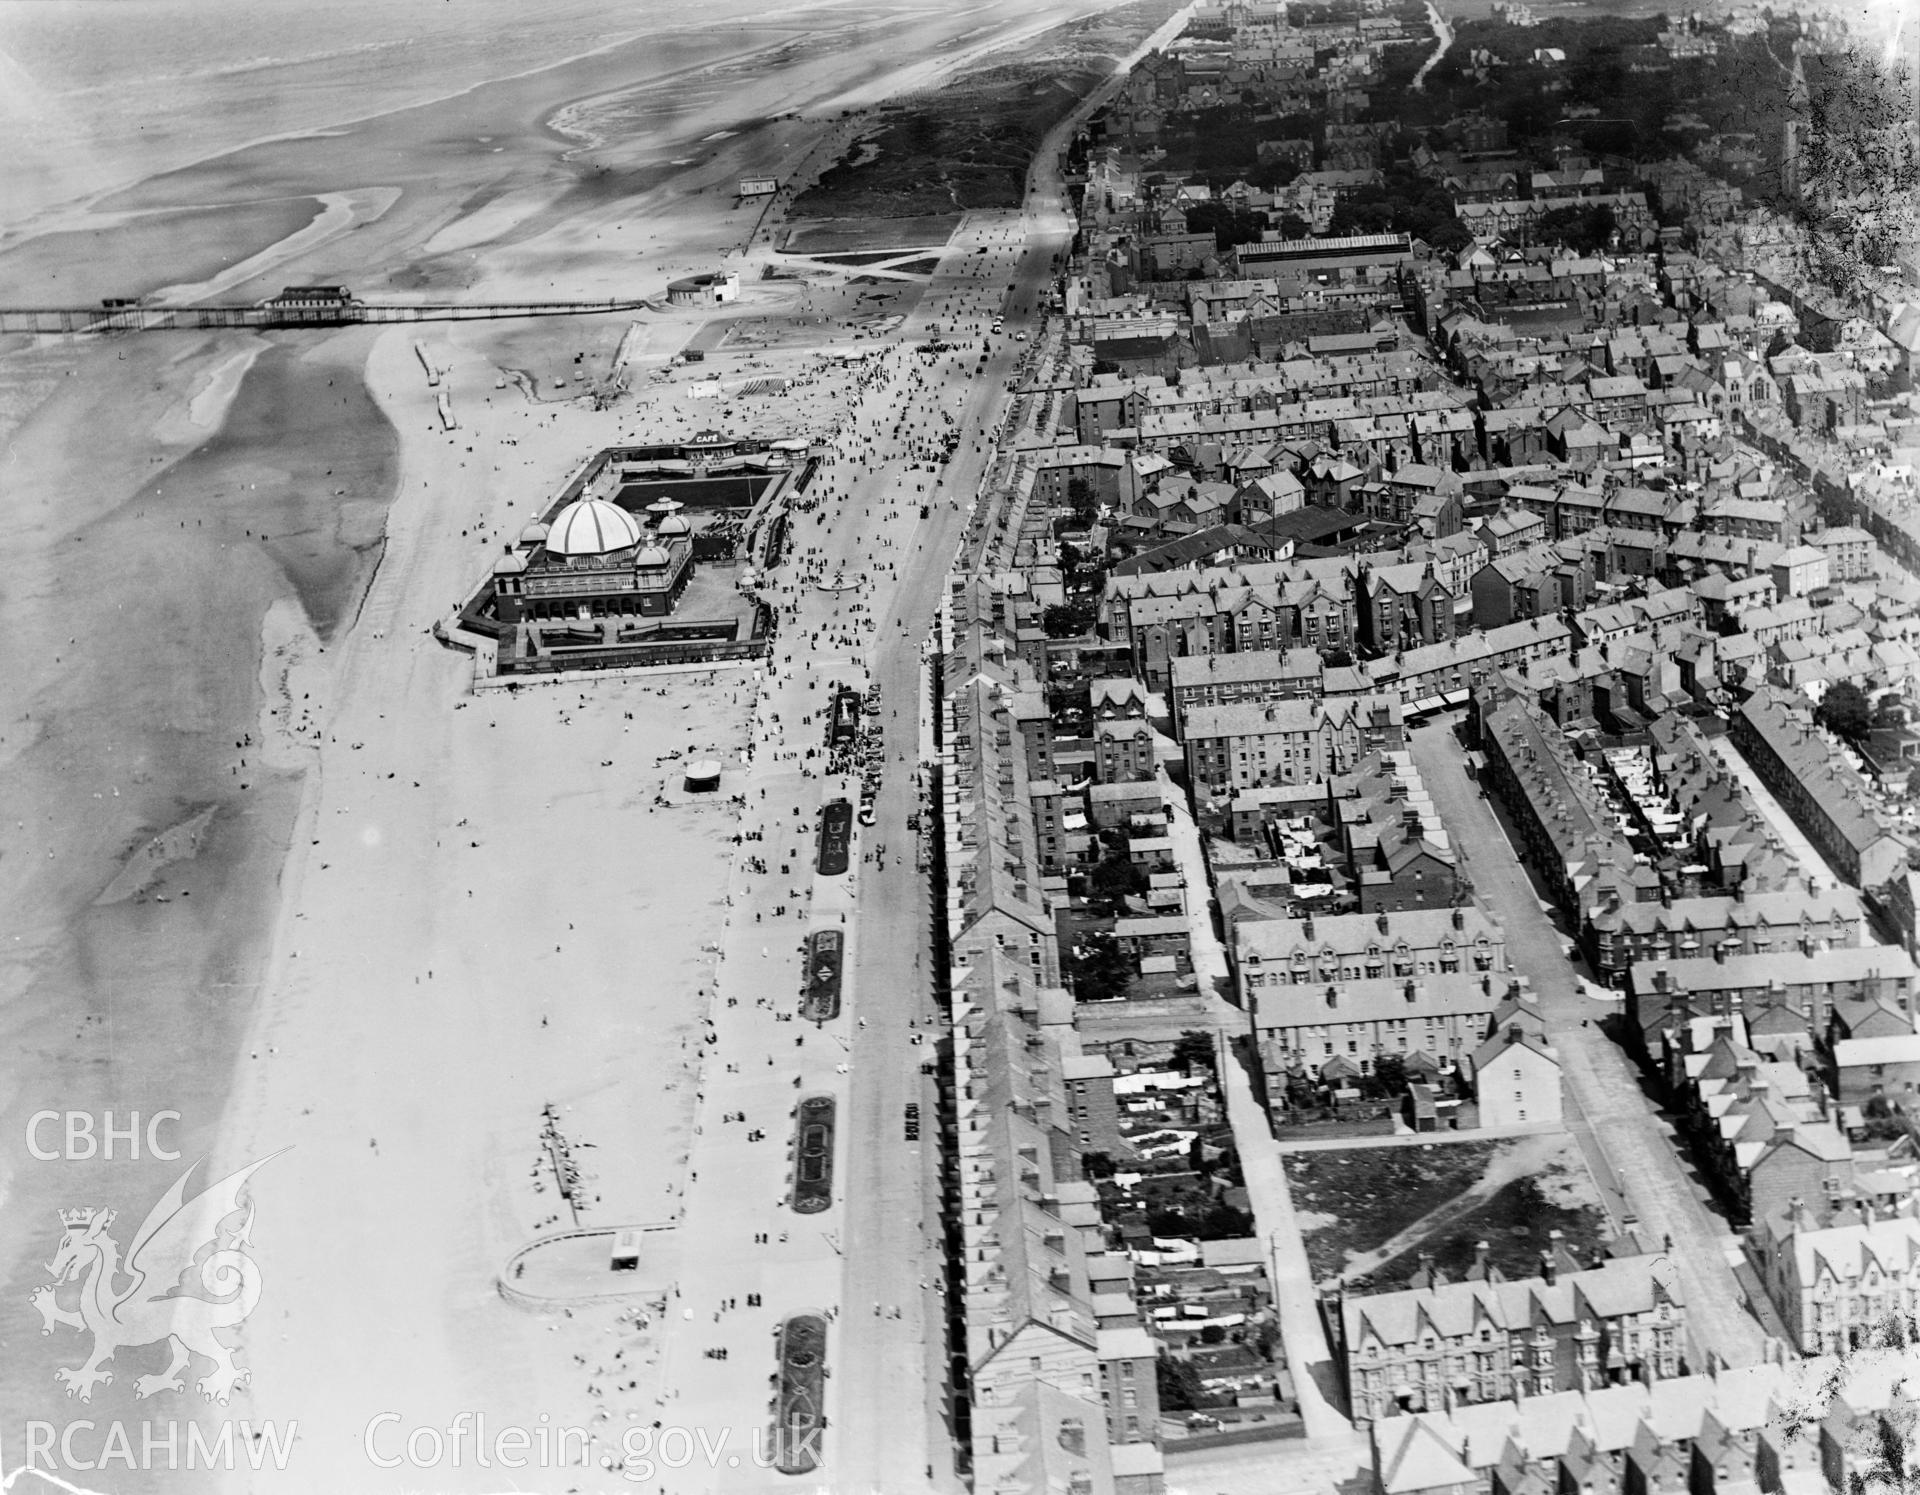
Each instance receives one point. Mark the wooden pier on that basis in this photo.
(80, 320)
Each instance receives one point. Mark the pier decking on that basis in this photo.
(136, 318)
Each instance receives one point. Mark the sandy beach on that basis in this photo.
(272, 865)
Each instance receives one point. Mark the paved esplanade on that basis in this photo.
(879, 1244)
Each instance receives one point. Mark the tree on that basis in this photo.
(1583, 230)
(1355, 215)
(1066, 622)
(1390, 1074)
(1179, 1386)
(1845, 711)
(1100, 973)
(1222, 1222)
(1230, 225)
(1272, 174)
(1117, 876)
(1193, 1050)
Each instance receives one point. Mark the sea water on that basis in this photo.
(97, 96)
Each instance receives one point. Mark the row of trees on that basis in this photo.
(1405, 203)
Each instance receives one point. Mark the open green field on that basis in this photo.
(881, 236)
(1369, 1212)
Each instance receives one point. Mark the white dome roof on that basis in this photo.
(534, 534)
(653, 555)
(592, 526)
(673, 524)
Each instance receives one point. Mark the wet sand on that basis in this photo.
(133, 633)
(133, 257)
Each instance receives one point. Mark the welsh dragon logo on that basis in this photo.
(187, 1274)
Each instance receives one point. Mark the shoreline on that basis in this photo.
(129, 972)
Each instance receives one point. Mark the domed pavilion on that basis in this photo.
(594, 560)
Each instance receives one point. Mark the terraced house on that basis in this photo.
(1226, 611)
(1807, 917)
(1487, 1338)
(1058, 1401)
(1836, 1283)
(1240, 747)
(1825, 795)
(1344, 989)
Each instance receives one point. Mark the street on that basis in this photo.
(1631, 1150)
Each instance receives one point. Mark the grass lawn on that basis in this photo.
(1514, 1224)
(1370, 1212)
(1355, 1201)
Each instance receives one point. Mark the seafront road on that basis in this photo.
(874, 1258)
